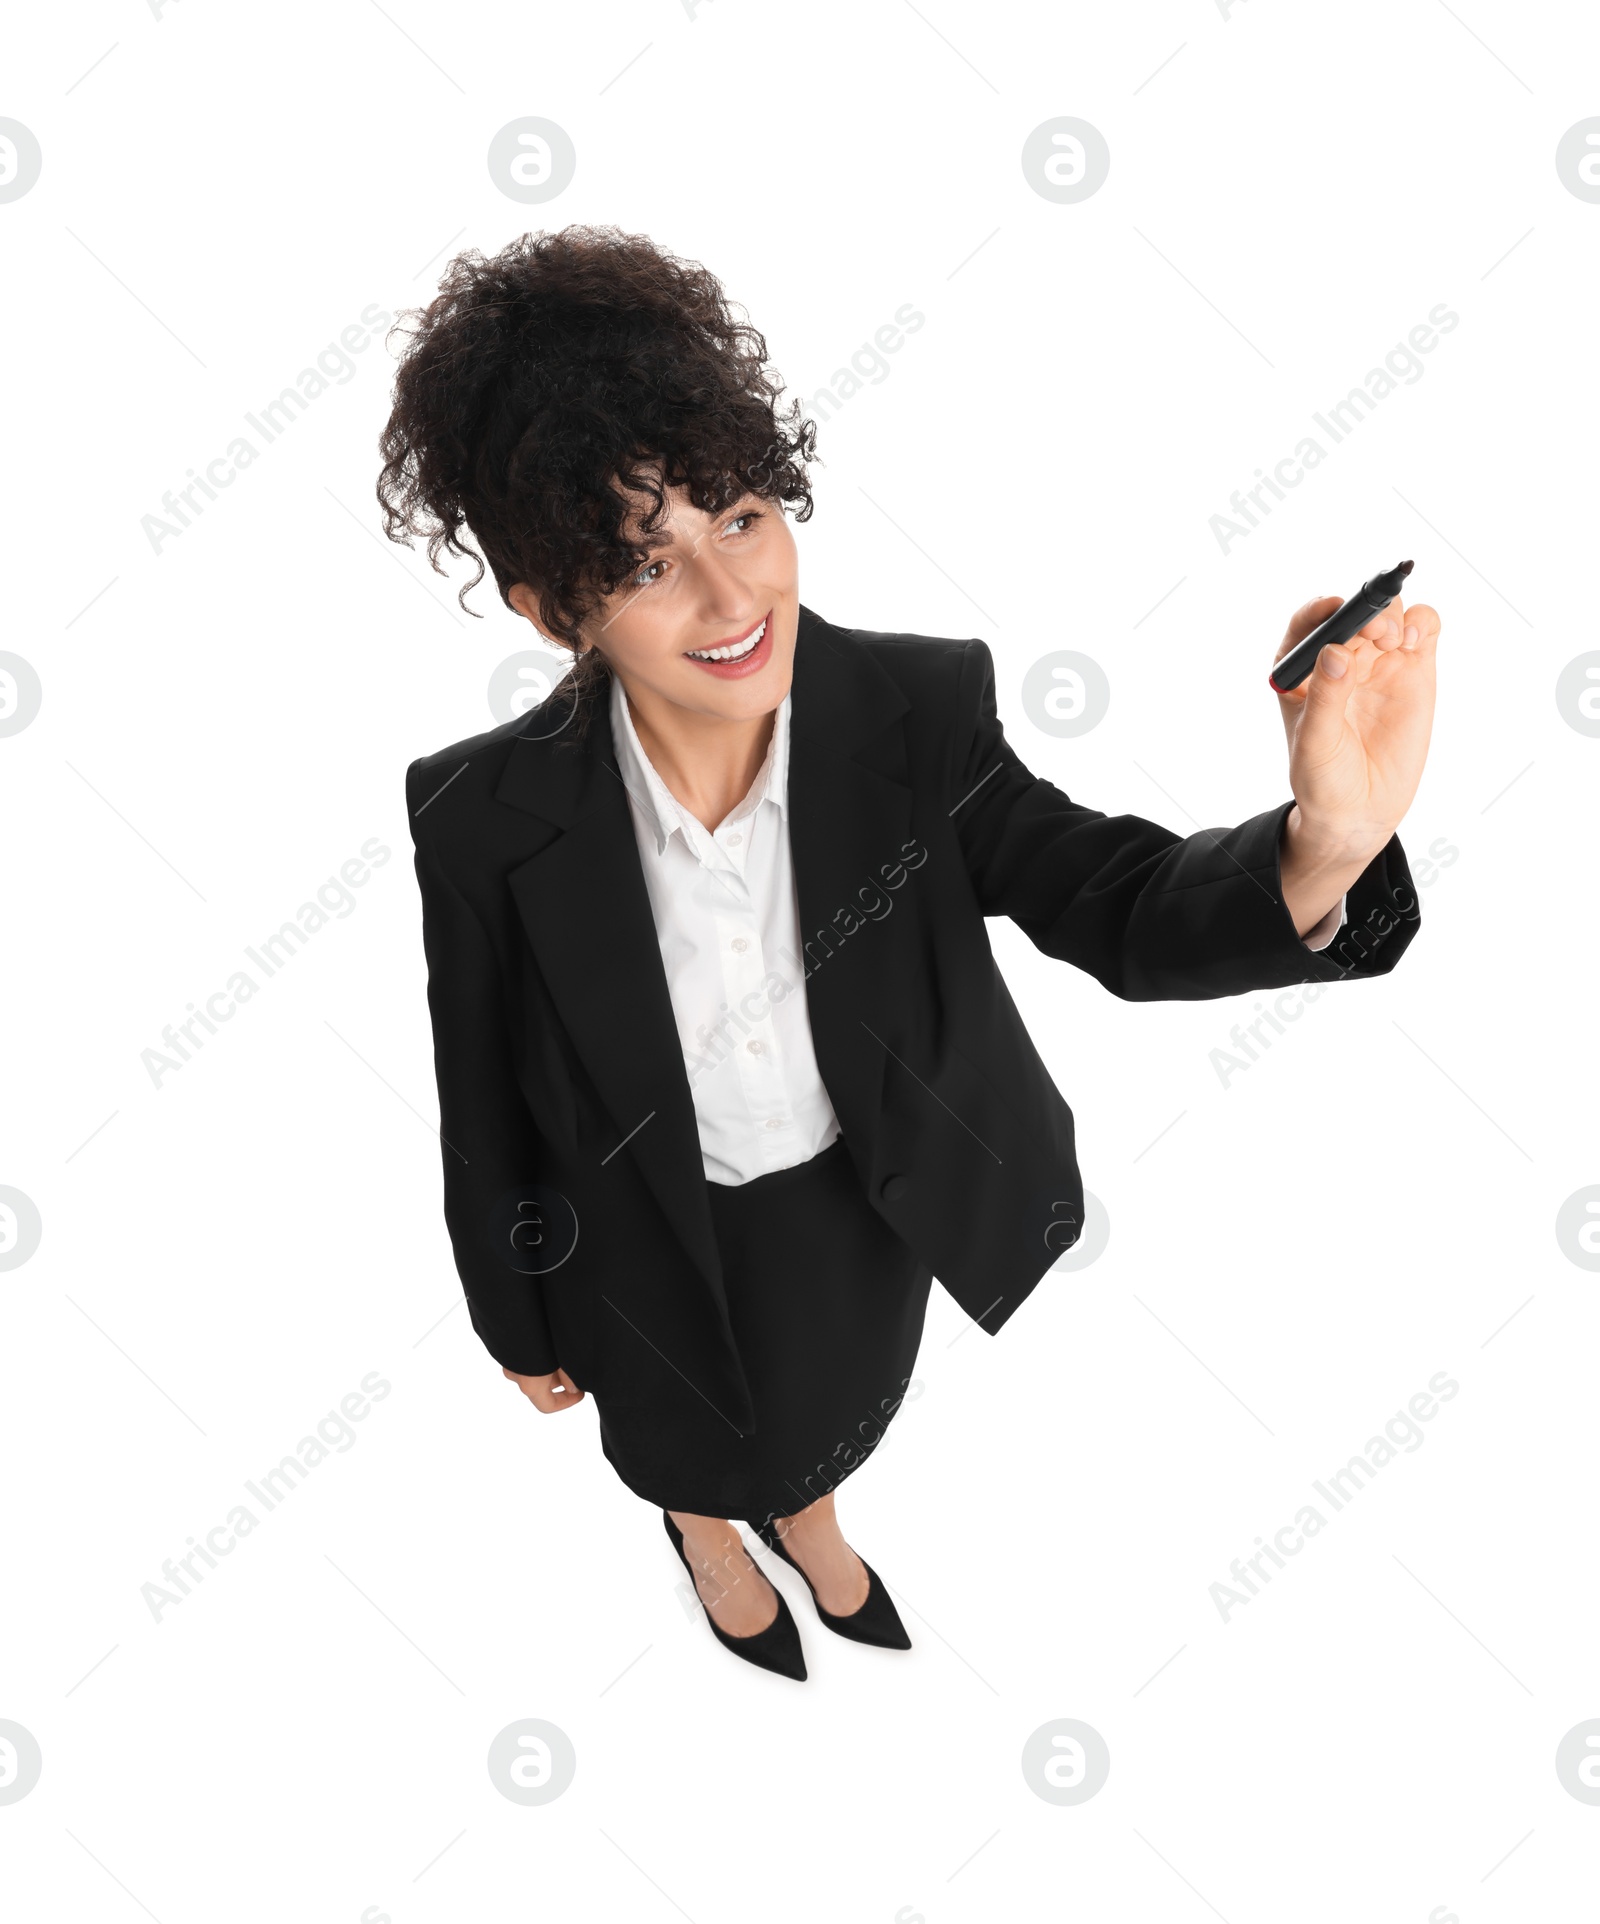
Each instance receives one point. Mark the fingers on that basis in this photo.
(1304, 619)
(1313, 714)
(1421, 628)
(1390, 628)
(560, 1393)
(1415, 629)
(1327, 695)
(548, 1394)
(1386, 629)
(554, 1393)
(1358, 654)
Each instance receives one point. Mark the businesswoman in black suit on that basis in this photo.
(727, 1074)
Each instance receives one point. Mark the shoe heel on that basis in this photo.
(777, 1648)
(877, 1622)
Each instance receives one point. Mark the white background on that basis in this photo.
(225, 722)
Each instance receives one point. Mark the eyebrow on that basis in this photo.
(664, 538)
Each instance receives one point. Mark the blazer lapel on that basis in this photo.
(586, 913)
(849, 821)
(584, 908)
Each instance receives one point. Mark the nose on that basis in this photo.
(724, 592)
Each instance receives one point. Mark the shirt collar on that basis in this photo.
(661, 808)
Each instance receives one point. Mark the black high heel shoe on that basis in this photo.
(777, 1648)
(877, 1622)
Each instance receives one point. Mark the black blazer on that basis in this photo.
(574, 1191)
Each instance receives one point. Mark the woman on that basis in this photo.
(726, 1070)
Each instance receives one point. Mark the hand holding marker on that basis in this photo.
(1358, 733)
(1370, 599)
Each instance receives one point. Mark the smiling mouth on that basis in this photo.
(733, 650)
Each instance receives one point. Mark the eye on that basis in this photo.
(645, 578)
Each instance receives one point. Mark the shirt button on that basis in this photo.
(774, 1122)
(735, 839)
(740, 944)
(756, 1046)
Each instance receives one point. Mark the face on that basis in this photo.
(712, 583)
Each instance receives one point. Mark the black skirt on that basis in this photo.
(827, 1305)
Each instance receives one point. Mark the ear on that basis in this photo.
(525, 601)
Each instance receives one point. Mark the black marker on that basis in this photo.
(1370, 599)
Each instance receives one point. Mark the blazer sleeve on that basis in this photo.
(487, 1138)
(1150, 914)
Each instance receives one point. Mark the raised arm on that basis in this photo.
(1150, 914)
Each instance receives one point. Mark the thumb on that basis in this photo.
(1327, 697)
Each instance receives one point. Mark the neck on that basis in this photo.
(706, 761)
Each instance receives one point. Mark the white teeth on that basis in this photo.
(730, 654)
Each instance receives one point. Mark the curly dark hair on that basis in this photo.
(541, 379)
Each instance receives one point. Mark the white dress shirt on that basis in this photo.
(728, 922)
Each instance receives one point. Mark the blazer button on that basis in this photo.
(892, 1188)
